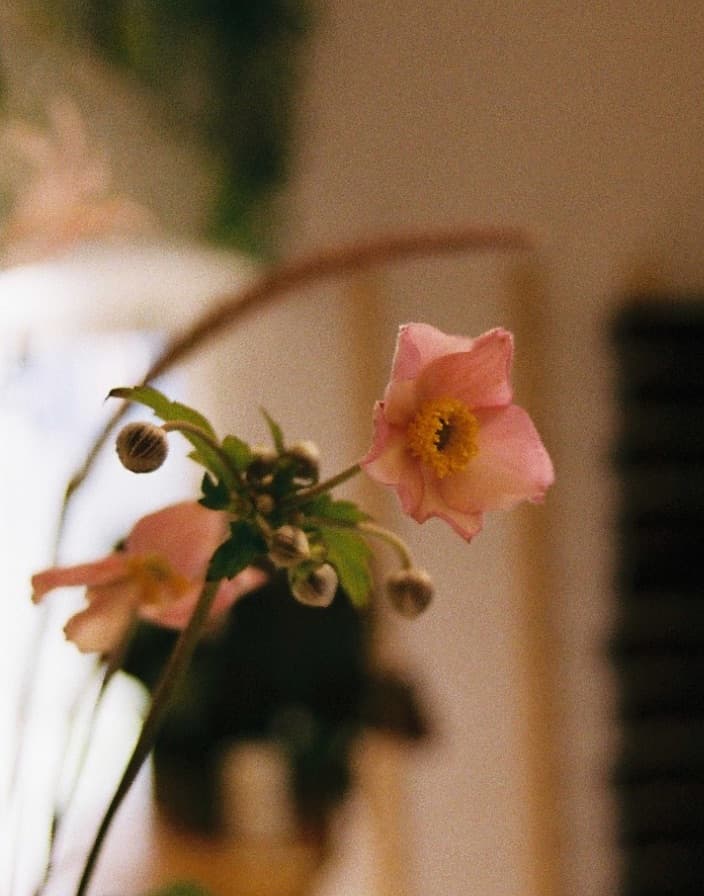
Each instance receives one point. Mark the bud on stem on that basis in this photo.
(142, 447)
(410, 591)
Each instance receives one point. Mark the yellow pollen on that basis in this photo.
(443, 435)
(156, 581)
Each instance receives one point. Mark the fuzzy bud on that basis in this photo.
(410, 591)
(306, 457)
(289, 546)
(314, 587)
(264, 503)
(261, 466)
(142, 447)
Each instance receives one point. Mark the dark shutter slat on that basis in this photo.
(657, 643)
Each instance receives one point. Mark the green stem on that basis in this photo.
(321, 487)
(289, 278)
(184, 426)
(369, 528)
(168, 683)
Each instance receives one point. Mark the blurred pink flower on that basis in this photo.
(447, 436)
(158, 576)
(64, 196)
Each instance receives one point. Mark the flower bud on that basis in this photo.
(410, 591)
(289, 546)
(306, 457)
(264, 503)
(261, 466)
(314, 587)
(142, 447)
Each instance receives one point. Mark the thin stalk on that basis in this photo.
(113, 665)
(283, 279)
(184, 426)
(171, 678)
(377, 531)
(297, 274)
(321, 487)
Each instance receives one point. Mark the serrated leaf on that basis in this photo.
(243, 546)
(325, 507)
(276, 433)
(238, 452)
(349, 554)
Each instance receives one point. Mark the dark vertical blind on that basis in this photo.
(658, 641)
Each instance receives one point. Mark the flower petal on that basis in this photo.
(104, 622)
(512, 465)
(400, 402)
(418, 345)
(432, 503)
(387, 443)
(101, 572)
(179, 613)
(186, 534)
(478, 377)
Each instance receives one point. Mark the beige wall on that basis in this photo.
(583, 122)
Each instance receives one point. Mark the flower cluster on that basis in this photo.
(447, 438)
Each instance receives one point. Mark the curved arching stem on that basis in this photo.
(279, 281)
(287, 276)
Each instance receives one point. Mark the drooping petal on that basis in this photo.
(179, 613)
(101, 572)
(512, 465)
(400, 402)
(104, 622)
(185, 534)
(389, 462)
(478, 377)
(418, 345)
(387, 445)
(432, 503)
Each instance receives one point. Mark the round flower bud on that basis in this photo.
(410, 591)
(289, 546)
(142, 447)
(264, 503)
(314, 587)
(306, 457)
(261, 466)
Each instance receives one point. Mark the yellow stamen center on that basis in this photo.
(443, 435)
(155, 579)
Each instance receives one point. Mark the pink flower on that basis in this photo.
(65, 197)
(158, 576)
(447, 436)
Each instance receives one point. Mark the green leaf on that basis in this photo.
(162, 406)
(181, 888)
(325, 507)
(168, 410)
(239, 452)
(276, 433)
(349, 554)
(216, 494)
(243, 546)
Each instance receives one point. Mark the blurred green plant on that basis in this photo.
(230, 69)
(180, 889)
